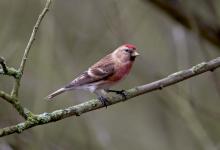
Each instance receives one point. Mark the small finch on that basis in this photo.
(103, 74)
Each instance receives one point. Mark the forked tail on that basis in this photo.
(52, 95)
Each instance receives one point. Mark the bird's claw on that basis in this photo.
(119, 92)
(122, 93)
(104, 101)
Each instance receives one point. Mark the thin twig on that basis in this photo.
(28, 47)
(17, 74)
(94, 104)
(5, 96)
(8, 71)
(4, 68)
(24, 112)
(11, 72)
(33, 34)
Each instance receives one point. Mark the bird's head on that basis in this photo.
(126, 53)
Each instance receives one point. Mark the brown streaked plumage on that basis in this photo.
(103, 74)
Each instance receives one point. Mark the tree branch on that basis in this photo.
(6, 96)
(77, 110)
(33, 35)
(28, 47)
(17, 74)
(24, 112)
(6, 70)
(208, 31)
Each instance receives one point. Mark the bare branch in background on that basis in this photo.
(208, 31)
(185, 110)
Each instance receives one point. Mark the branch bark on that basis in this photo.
(6, 70)
(14, 92)
(77, 110)
(17, 74)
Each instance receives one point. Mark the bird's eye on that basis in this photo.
(127, 50)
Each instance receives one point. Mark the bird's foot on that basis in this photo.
(119, 92)
(104, 101)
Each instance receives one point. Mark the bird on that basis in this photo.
(103, 74)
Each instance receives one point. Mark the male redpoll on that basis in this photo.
(103, 74)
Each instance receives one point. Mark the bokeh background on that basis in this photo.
(74, 35)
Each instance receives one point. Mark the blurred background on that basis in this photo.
(170, 35)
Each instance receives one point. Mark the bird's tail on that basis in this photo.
(57, 92)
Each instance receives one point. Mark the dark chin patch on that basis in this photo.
(132, 58)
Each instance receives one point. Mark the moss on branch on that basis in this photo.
(17, 74)
(77, 110)
(7, 70)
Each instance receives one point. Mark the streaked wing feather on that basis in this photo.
(102, 70)
(82, 79)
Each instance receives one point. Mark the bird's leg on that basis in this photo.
(119, 92)
(101, 96)
(103, 100)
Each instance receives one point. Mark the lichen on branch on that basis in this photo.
(17, 73)
(91, 105)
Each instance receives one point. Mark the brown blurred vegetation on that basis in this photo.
(75, 34)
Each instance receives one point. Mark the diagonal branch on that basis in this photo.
(6, 96)
(17, 74)
(24, 112)
(6, 70)
(33, 35)
(10, 72)
(94, 104)
(28, 47)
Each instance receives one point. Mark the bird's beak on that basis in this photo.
(134, 54)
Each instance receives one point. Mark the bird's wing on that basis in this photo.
(102, 70)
